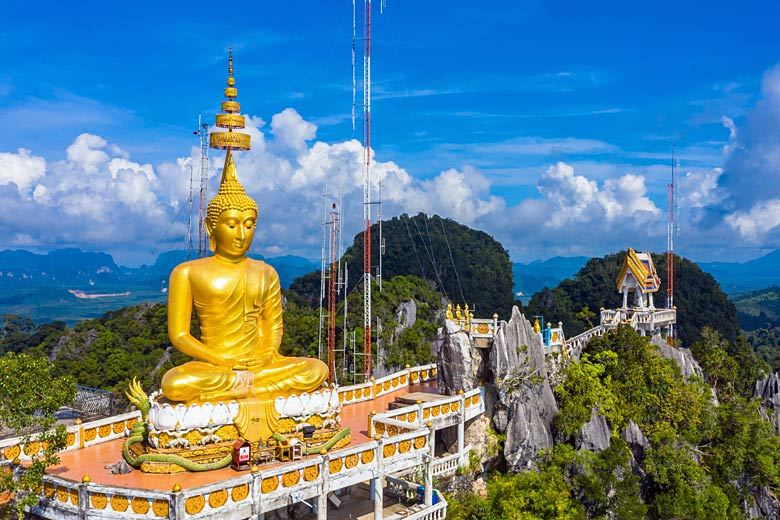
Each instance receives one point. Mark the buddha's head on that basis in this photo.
(231, 216)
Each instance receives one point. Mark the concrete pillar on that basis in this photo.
(177, 511)
(322, 499)
(461, 428)
(256, 490)
(377, 489)
(429, 465)
(84, 497)
(625, 298)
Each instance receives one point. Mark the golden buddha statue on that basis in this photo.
(239, 304)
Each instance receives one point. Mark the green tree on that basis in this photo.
(29, 398)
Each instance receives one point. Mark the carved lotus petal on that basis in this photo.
(195, 418)
(293, 407)
(206, 409)
(334, 399)
(153, 412)
(220, 414)
(181, 410)
(166, 418)
(233, 409)
(316, 404)
(279, 403)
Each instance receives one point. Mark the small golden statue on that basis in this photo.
(449, 312)
(458, 313)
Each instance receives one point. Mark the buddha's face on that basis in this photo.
(233, 233)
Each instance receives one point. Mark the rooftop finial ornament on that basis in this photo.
(231, 118)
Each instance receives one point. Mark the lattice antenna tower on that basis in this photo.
(343, 278)
(333, 286)
(203, 195)
(188, 237)
(367, 338)
(381, 238)
(323, 269)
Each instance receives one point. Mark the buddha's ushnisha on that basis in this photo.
(238, 303)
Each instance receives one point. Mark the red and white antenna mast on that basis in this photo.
(367, 363)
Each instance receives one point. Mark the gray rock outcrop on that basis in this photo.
(405, 315)
(595, 434)
(524, 406)
(682, 356)
(458, 361)
(765, 504)
(636, 440)
(768, 391)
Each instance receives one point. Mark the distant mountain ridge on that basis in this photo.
(37, 285)
(741, 277)
(533, 277)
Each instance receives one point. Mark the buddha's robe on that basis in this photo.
(240, 311)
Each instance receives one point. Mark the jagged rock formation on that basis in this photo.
(768, 391)
(518, 393)
(765, 504)
(682, 356)
(636, 440)
(459, 362)
(595, 434)
(523, 406)
(405, 315)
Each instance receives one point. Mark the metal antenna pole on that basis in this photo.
(189, 211)
(323, 261)
(332, 289)
(354, 44)
(203, 240)
(381, 238)
(367, 365)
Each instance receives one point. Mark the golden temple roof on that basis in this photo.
(641, 266)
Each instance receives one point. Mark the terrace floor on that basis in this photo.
(93, 459)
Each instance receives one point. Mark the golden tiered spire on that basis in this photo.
(231, 118)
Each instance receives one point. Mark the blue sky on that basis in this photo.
(548, 124)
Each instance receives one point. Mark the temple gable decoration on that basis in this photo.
(638, 275)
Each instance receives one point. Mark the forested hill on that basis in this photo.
(698, 297)
(466, 265)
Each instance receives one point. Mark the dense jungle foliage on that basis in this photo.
(699, 299)
(465, 265)
(759, 317)
(703, 459)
